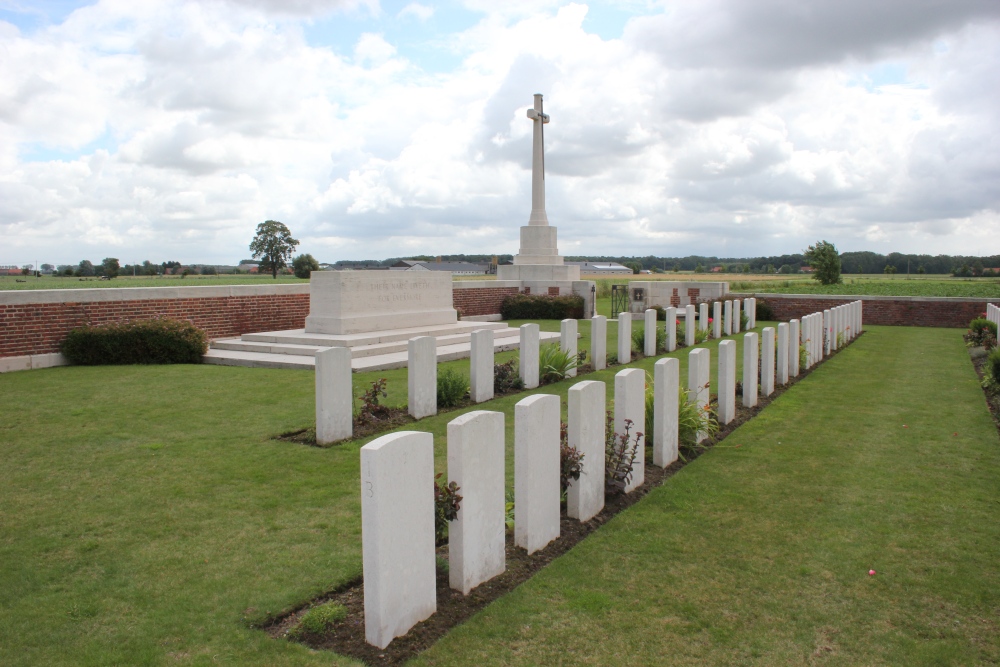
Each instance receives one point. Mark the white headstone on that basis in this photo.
(649, 342)
(624, 337)
(703, 316)
(750, 306)
(671, 329)
(529, 355)
(586, 403)
(737, 319)
(793, 348)
(750, 369)
(666, 386)
(727, 381)
(334, 395)
(599, 342)
(422, 376)
(481, 366)
(397, 534)
(767, 361)
(699, 362)
(630, 403)
(567, 342)
(717, 320)
(727, 318)
(828, 333)
(536, 471)
(689, 325)
(783, 353)
(476, 463)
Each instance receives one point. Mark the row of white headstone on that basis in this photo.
(335, 392)
(397, 470)
(993, 314)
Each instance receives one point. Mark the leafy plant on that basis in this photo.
(318, 620)
(691, 420)
(764, 312)
(554, 363)
(620, 452)
(744, 320)
(803, 356)
(541, 307)
(371, 409)
(447, 502)
(158, 341)
(982, 333)
(506, 378)
(509, 509)
(451, 388)
(991, 372)
(639, 340)
(570, 459)
(701, 335)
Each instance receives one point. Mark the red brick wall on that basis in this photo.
(38, 328)
(481, 300)
(898, 311)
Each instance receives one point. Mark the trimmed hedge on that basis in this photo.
(541, 307)
(159, 341)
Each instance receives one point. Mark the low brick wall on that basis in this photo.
(480, 297)
(909, 311)
(36, 322)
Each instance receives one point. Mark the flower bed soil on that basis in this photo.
(347, 637)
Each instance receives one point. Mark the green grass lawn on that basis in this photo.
(147, 518)
(867, 286)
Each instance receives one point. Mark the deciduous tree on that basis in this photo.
(273, 245)
(825, 261)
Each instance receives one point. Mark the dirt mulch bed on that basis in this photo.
(978, 356)
(392, 418)
(347, 637)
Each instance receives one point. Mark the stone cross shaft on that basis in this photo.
(539, 119)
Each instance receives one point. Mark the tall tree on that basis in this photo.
(304, 265)
(825, 261)
(273, 245)
(111, 267)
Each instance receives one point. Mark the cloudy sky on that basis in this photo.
(167, 130)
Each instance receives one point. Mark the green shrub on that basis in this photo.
(506, 378)
(541, 307)
(982, 333)
(620, 452)
(570, 459)
(691, 420)
(447, 502)
(318, 620)
(554, 363)
(701, 335)
(159, 341)
(991, 372)
(803, 356)
(371, 409)
(764, 312)
(451, 388)
(744, 320)
(639, 340)
(661, 313)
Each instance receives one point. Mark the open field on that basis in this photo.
(50, 282)
(148, 517)
(801, 284)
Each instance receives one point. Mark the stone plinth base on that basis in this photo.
(348, 302)
(538, 272)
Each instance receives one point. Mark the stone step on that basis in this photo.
(300, 337)
(241, 345)
(385, 361)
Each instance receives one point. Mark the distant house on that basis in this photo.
(806, 269)
(455, 268)
(601, 268)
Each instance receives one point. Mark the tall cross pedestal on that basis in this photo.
(538, 258)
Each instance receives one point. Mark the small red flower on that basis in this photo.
(871, 573)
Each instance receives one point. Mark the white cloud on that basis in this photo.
(169, 129)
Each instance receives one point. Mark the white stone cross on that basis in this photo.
(539, 119)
